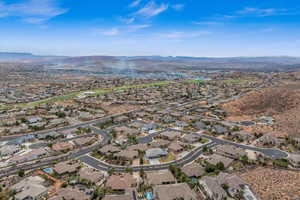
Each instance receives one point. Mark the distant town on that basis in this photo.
(215, 133)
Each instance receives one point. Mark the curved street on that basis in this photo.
(81, 154)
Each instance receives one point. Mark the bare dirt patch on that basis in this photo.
(283, 103)
(273, 184)
(119, 108)
(265, 102)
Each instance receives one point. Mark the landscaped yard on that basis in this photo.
(168, 158)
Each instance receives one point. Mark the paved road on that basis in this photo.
(81, 155)
(273, 153)
(191, 156)
(44, 163)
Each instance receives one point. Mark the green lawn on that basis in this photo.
(195, 81)
(236, 81)
(3, 107)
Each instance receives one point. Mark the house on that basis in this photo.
(92, 175)
(270, 140)
(294, 160)
(176, 114)
(193, 170)
(62, 146)
(33, 120)
(296, 141)
(170, 135)
(56, 122)
(160, 178)
(189, 118)
(21, 140)
(160, 143)
(199, 125)
(69, 132)
(191, 138)
(141, 114)
(167, 119)
(220, 130)
(181, 124)
(121, 119)
(175, 191)
(121, 182)
(32, 155)
(118, 197)
(149, 127)
(30, 188)
(121, 140)
(156, 153)
(127, 154)
(138, 147)
(242, 135)
(109, 149)
(84, 141)
(40, 125)
(136, 125)
(231, 151)
(266, 120)
(70, 193)
(213, 186)
(124, 130)
(8, 150)
(49, 135)
(215, 159)
(66, 167)
(85, 116)
(175, 147)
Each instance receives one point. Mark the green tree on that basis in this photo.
(220, 166)
(21, 173)
(142, 173)
(205, 149)
(129, 170)
(111, 171)
(61, 114)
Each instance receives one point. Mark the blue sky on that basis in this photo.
(151, 27)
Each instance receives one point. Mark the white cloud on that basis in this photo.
(178, 7)
(182, 34)
(110, 32)
(261, 12)
(134, 28)
(32, 11)
(135, 3)
(120, 30)
(152, 9)
(129, 20)
(207, 23)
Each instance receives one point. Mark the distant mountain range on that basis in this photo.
(154, 63)
(14, 56)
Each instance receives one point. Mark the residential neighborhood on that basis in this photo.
(166, 141)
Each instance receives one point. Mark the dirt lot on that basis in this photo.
(273, 184)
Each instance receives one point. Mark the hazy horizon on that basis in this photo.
(216, 28)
